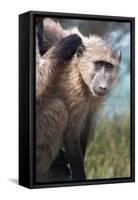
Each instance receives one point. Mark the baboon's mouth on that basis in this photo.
(99, 93)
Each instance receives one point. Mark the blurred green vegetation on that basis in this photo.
(108, 155)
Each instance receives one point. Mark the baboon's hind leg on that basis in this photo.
(51, 120)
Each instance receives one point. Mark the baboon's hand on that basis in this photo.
(66, 48)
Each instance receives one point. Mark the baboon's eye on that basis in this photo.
(98, 64)
(109, 66)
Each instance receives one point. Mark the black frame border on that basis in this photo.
(28, 179)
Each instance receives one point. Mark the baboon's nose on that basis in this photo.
(102, 89)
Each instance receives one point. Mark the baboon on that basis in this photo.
(73, 76)
(51, 111)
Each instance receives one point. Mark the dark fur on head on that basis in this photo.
(66, 48)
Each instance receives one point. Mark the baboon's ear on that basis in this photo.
(67, 47)
(119, 55)
(80, 50)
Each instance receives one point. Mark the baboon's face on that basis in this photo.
(99, 68)
(104, 76)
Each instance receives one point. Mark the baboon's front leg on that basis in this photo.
(74, 154)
